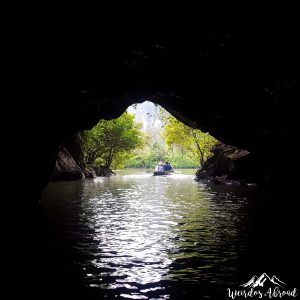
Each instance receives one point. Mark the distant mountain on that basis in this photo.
(146, 113)
(263, 280)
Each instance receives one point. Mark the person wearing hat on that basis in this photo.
(160, 167)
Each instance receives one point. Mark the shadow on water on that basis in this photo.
(136, 236)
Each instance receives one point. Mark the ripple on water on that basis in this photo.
(136, 235)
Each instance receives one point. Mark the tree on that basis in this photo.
(152, 152)
(197, 143)
(111, 140)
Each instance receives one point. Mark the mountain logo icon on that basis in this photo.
(263, 280)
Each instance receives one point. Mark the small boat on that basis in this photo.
(159, 173)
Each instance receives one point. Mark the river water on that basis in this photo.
(139, 236)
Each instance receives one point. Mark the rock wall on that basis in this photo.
(74, 147)
(239, 84)
(66, 168)
(223, 166)
(70, 163)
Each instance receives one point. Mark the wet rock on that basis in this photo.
(219, 168)
(103, 171)
(220, 179)
(89, 172)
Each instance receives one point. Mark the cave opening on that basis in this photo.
(147, 136)
(137, 235)
(245, 84)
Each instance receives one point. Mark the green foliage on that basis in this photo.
(181, 160)
(149, 159)
(111, 142)
(153, 152)
(149, 155)
(120, 143)
(182, 146)
(197, 144)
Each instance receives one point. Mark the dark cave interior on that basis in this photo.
(240, 85)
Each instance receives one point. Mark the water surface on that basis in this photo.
(138, 236)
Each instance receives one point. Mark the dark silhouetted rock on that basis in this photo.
(103, 171)
(74, 147)
(239, 84)
(219, 167)
(66, 167)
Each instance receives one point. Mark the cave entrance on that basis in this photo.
(139, 236)
(135, 235)
(146, 136)
(146, 237)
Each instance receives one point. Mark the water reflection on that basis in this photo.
(135, 235)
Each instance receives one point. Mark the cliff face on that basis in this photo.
(66, 168)
(74, 146)
(70, 163)
(240, 85)
(224, 166)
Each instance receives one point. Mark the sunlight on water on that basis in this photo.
(134, 235)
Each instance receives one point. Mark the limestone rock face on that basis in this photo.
(66, 167)
(238, 84)
(223, 166)
(74, 147)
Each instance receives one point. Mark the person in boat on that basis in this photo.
(168, 167)
(160, 167)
